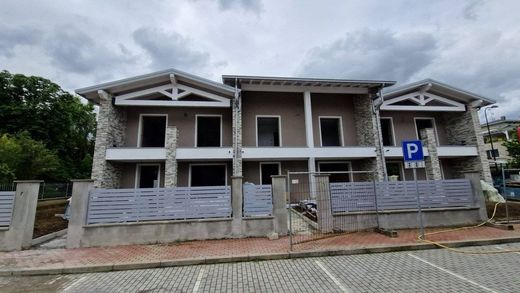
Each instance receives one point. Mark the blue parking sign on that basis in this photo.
(412, 150)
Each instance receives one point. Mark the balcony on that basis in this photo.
(445, 151)
(265, 153)
(159, 154)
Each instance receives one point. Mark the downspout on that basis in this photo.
(376, 109)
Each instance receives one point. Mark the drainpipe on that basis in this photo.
(375, 110)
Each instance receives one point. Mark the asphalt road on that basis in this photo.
(408, 271)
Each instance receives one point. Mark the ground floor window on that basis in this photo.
(208, 175)
(336, 167)
(148, 176)
(267, 170)
(395, 170)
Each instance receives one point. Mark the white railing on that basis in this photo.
(258, 200)
(155, 204)
(6, 207)
(400, 195)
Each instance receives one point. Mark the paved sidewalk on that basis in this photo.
(55, 261)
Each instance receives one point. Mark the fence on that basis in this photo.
(258, 200)
(153, 204)
(55, 190)
(6, 207)
(400, 195)
(7, 186)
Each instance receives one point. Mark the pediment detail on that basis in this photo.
(422, 101)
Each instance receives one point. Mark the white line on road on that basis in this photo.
(451, 273)
(199, 280)
(74, 283)
(333, 278)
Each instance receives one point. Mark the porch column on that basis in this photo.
(433, 165)
(309, 137)
(170, 165)
(236, 106)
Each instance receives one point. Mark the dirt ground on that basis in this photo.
(514, 210)
(46, 222)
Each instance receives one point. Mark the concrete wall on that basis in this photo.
(288, 105)
(183, 119)
(334, 105)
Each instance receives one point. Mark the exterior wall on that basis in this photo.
(184, 171)
(334, 105)
(465, 128)
(404, 125)
(183, 119)
(287, 105)
(110, 132)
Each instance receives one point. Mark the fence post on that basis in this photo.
(474, 178)
(325, 220)
(236, 204)
(20, 231)
(280, 204)
(78, 211)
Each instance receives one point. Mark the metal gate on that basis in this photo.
(324, 204)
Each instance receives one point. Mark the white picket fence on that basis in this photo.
(6, 207)
(155, 204)
(258, 200)
(400, 195)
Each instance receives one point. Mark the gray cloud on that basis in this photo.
(10, 37)
(170, 49)
(372, 55)
(74, 51)
(252, 5)
(470, 10)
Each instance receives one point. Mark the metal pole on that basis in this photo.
(418, 203)
(288, 188)
(374, 174)
(491, 140)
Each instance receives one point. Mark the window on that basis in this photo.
(268, 131)
(152, 130)
(147, 176)
(208, 131)
(423, 123)
(387, 131)
(208, 175)
(491, 152)
(336, 167)
(267, 170)
(331, 131)
(394, 169)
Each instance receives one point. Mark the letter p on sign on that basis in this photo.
(412, 150)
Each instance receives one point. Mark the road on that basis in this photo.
(407, 271)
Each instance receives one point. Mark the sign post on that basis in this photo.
(413, 159)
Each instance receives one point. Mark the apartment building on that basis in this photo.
(171, 128)
(500, 131)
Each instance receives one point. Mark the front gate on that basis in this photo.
(321, 204)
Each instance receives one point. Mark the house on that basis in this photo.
(500, 131)
(171, 128)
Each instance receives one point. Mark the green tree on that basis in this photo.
(513, 148)
(21, 157)
(52, 116)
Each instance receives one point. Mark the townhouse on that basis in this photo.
(171, 128)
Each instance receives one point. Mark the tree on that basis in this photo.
(513, 148)
(21, 157)
(52, 116)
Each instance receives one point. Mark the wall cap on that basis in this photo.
(28, 181)
(237, 177)
(278, 176)
(82, 180)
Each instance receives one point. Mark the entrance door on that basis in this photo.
(267, 170)
(148, 176)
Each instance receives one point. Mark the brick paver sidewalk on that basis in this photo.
(246, 248)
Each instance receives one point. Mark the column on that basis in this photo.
(325, 220)
(170, 165)
(309, 135)
(236, 106)
(236, 204)
(78, 211)
(280, 204)
(433, 165)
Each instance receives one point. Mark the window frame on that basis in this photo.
(401, 169)
(140, 127)
(341, 139)
(279, 129)
(138, 173)
(434, 127)
(394, 142)
(197, 129)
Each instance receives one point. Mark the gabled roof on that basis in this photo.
(151, 79)
(297, 81)
(439, 88)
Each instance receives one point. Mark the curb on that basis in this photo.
(243, 258)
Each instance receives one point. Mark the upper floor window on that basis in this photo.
(152, 130)
(423, 123)
(208, 131)
(387, 131)
(492, 152)
(268, 131)
(331, 131)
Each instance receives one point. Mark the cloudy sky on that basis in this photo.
(472, 44)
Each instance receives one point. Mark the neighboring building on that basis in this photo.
(501, 131)
(171, 128)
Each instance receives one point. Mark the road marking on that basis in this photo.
(498, 247)
(54, 280)
(451, 273)
(74, 283)
(332, 277)
(199, 280)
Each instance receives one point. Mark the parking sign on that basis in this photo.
(412, 150)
